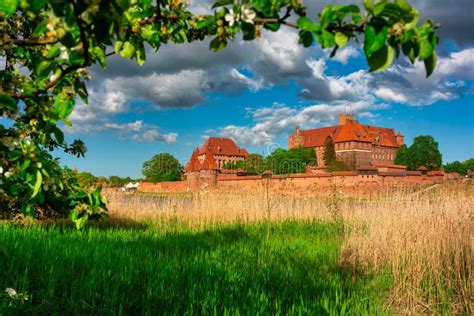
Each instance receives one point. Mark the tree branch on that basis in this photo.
(27, 42)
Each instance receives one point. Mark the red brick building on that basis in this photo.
(215, 152)
(355, 144)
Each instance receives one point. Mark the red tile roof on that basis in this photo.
(317, 137)
(222, 146)
(351, 131)
(193, 164)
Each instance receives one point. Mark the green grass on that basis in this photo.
(147, 270)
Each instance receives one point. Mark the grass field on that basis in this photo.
(230, 269)
(403, 252)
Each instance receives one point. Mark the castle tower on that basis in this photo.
(344, 118)
(400, 139)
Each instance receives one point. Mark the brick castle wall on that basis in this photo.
(305, 183)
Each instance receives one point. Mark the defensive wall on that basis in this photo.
(302, 183)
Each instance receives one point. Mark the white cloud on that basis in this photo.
(269, 122)
(253, 84)
(132, 126)
(182, 89)
(343, 55)
(154, 135)
(390, 95)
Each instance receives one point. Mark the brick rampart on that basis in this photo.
(350, 182)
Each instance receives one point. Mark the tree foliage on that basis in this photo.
(48, 45)
(329, 152)
(117, 182)
(230, 165)
(282, 161)
(460, 167)
(254, 164)
(423, 152)
(86, 179)
(162, 167)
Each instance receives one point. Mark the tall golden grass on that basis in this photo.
(425, 238)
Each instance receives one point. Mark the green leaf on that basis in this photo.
(118, 45)
(341, 39)
(100, 55)
(272, 26)
(128, 50)
(64, 105)
(123, 4)
(326, 16)
(217, 44)
(8, 102)
(76, 57)
(141, 56)
(305, 24)
(403, 5)
(430, 64)
(38, 182)
(427, 42)
(381, 59)
(202, 24)
(221, 3)
(369, 5)
(53, 52)
(32, 5)
(43, 68)
(412, 18)
(29, 210)
(378, 8)
(8, 6)
(306, 38)
(326, 39)
(374, 40)
(59, 135)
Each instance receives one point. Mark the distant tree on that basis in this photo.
(459, 167)
(283, 161)
(86, 179)
(469, 164)
(101, 181)
(402, 156)
(424, 152)
(329, 152)
(117, 182)
(455, 166)
(338, 165)
(230, 165)
(162, 167)
(254, 164)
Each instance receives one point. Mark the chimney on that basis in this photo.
(344, 118)
(400, 139)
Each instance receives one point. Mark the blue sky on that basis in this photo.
(256, 93)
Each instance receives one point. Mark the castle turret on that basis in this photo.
(344, 118)
(400, 139)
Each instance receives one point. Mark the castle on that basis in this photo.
(356, 144)
(214, 154)
(370, 150)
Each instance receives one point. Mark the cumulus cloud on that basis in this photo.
(97, 117)
(270, 122)
(343, 55)
(183, 75)
(155, 135)
(405, 84)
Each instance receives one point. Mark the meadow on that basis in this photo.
(407, 251)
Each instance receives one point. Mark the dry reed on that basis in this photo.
(425, 238)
